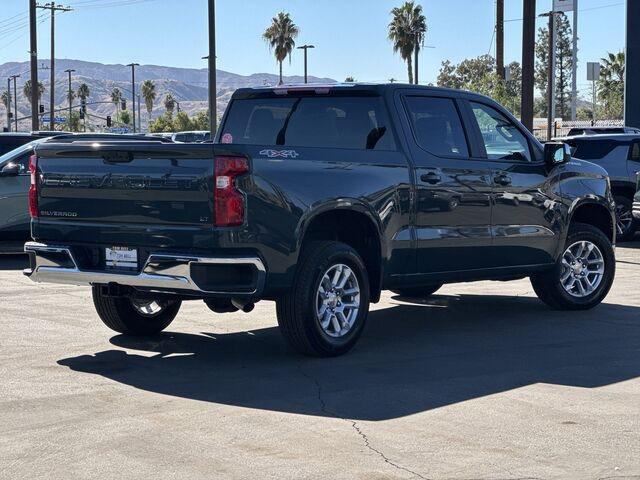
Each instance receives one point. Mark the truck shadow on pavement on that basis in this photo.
(412, 358)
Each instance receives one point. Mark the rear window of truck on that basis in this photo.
(334, 122)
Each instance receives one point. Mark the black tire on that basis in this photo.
(624, 206)
(120, 314)
(548, 286)
(418, 292)
(296, 310)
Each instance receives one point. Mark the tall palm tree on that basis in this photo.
(148, 90)
(280, 36)
(116, 97)
(169, 103)
(407, 31)
(26, 90)
(83, 92)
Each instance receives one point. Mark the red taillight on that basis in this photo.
(33, 188)
(229, 202)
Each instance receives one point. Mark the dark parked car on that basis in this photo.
(602, 131)
(619, 155)
(11, 141)
(15, 180)
(320, 197)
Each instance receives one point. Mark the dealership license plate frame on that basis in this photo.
(121, 258)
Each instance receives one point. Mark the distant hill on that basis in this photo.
(187, 85)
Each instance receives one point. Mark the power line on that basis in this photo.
(580, 10)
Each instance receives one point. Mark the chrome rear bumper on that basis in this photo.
(56, 264)
(636, 210)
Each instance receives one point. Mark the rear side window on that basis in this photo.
(333, 122)
(635, 152)
(437, 126)
(592, 149)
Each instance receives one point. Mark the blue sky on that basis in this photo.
(350, 35)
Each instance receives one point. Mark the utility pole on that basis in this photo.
(213, 98)
(133, 91)
(53, 8)
(499, 38)
(139, 116)
(70, 71)
(9, 104)
(15, 97)
(305, 48)
(528, 56)
(33, 53)
(574, 73)
(632, 70)
(551, 77)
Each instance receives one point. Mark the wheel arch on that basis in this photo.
(353, 223)
(594, 212)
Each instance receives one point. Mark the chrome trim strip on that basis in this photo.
(159, 272)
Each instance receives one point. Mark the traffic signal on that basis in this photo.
(10, 115)
(81, 114)
(124, 105)
(108, 121)
(41, 109)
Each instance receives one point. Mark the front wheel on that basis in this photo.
(133, 316)
(626, 225)
(325, 311)
(584, 273)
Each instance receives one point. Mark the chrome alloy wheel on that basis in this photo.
(582, 269)
(148, 308)
(624, 219)
(338, 301)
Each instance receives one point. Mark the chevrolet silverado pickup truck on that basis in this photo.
(319, 197)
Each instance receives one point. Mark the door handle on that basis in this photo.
(431, 178)
(502, 179)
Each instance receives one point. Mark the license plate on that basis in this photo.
(121, 258)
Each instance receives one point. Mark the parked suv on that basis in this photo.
(619, 155)
(320, 197)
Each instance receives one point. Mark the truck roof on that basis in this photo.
(359, 87)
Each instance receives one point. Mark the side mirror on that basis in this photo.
(10, 170)
(556, 153)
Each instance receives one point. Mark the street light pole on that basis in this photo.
(133, 91)
(15, 98)
(70, 71)
(213, 97)
(33, 53)
(551, 74)
(9, 104)
(305, 48)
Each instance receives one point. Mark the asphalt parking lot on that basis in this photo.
(480, 382)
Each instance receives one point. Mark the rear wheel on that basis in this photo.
(584, 273)
(135, 316)
(626, 224)
(419, 292)
(326, 309)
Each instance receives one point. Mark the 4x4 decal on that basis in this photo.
(270, 153)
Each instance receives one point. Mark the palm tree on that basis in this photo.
(149, 94)
(407, 32)
(116, 97)
(611, 84)
(26, 89)
(169, 103)
(83, 92)
(280, 36)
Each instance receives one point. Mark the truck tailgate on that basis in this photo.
(130, 194)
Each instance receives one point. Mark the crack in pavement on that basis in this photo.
(356, 428)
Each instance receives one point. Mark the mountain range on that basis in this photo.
(189, 86)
